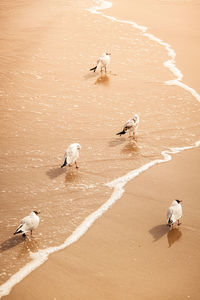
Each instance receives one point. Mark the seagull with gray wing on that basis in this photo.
(174, 213)
(130, 126)
(28, 223)
(102, 62)
(71, 155)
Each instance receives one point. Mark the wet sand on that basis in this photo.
(129, 252)
(175, 22)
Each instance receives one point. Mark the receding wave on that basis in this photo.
(118, 184)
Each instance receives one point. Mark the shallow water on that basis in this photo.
(49, 100)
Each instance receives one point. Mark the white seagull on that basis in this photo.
(71, 155)
(28, 223)
(102, 62)
(174, 212)
(131, 126)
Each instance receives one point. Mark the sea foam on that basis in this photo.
(170, 64)
(118, 184)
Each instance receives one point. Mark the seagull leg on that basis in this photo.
(31, 232)
(76, 165)
(179, 223)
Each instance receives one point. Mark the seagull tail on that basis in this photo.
(18, 230)
(65, 163)
(93, 69)
(120, 133)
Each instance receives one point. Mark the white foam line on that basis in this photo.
(118, 184)
(185, 87)
(166, 157)
(170, 64)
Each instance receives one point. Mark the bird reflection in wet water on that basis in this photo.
(131, 148)
(103, 80)
(73, 176)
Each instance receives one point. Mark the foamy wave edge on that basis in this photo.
(118, 184)
(170, 64)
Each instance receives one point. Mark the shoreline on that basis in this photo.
(122, 240)
(119, 188)
(89, 229)
(173, 24)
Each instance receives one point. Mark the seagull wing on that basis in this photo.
(99, 63)
(129, 124)
(177, 212)
(72, 154)
(174, 213)
(169, 215)
(24, 226)
(28, 223)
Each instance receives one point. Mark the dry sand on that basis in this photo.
(175, 22)
(130, 253)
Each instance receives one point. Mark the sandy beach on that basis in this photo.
(129, 252)
(175, 22)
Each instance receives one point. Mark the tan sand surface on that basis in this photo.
(129, 253)
(175, 22)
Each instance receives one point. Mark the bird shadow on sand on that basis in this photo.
(116, 142)
(29, 243)
(159, 231)
(173, 235)
(90, 75)
(55, 172)
(11, 242)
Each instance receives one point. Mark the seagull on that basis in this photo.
(102, 62)
(131, 126)
(174, 213)
(71, 155)
(28, 223)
